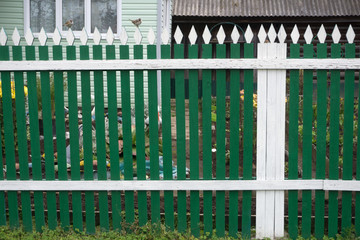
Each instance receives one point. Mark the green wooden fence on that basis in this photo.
(209, 164)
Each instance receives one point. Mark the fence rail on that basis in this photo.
(208, 145)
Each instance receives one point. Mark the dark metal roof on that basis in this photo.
(266, 8)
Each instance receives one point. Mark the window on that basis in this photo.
(84, 13)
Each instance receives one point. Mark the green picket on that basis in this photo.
(127, 139)
(346, 203)
(357, 196)
(234, 141)
(166, 138)
(87, 141)
(334, 141)
(180, 137)
(307, 143)
(8, 124)
(293, 142)
(48, 137)
(60, 137)
(2, 193)
(320, 142)
(34, 139)
(100, 138)
(113, 138)
(194, 143)
(140, 136)
(248, 140)
(207, 144)
(220, 143)
(74, 140)
(153, 135)
(22, 140)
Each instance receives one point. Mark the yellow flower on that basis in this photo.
(13, 90)
(25, 91)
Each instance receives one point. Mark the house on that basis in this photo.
(241, 13)
(256, 12)
(88, 14)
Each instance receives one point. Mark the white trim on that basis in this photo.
(119, 17)
(87, 15)
(26, 15)
(176, 185)
(58, 12)
(155, 64)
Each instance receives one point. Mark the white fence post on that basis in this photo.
(270, 136)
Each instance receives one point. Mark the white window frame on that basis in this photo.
(58, 18)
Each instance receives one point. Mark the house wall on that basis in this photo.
(12, 15)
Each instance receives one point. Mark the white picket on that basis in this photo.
(295, 35)
(308, 35)
(165, 36)
(70, 37)
(151, 36)
(97, 36)
(249, 35)
(336, 34)
(3, 37)
(192, 35)
(350, 34)
(206, 35)
(178, 36)
(110, 36)
(84, 37)
(321, 34)
(16, 37)
(29, 37)
(42, 37)
(221, 35)
(56, 36)
(261, 137)
(235, 35)
(123, 36)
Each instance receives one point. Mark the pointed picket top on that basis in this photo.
(70, 38)
(221, 35)
(137, 36)
(56, 37)
(262, 34)
(282, 34)
(272, 34)
(336, 35)
(295, 35)
(16, 37)
(350, 34)
(206, 35)
(84, 37)
(123, 36)
(151, 36)
(249, 35)
(178, 36)
(192, 35)
(3, 37)
(42, 37)
(321, 34)
(235, 34)
(110, 36)
(97, 36)
(29, 37)
(308, 35)
(165, 36)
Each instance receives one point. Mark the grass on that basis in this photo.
(148, 231)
